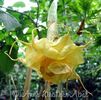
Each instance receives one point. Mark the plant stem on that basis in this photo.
(10, 89)
(27, 84)
(59, 92)
(47, 91)
(16, 92)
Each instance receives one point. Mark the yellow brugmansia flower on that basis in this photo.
(55, 61)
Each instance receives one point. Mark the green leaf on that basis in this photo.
(1, 2)
(2, 36)
(85, 4)
(6, 64)
(98, 40)
(9, 40)
(32, 0)
(9, 21)
(19, 4)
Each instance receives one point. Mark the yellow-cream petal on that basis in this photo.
(55, 50)
(75, 56)
(62, 42)
(44, 47)
(59, 78)
(59, 68)
(32, 58)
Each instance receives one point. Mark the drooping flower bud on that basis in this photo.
(52, 32)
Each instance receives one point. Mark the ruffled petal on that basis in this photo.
(62, 42)
(75, 56)
(56, 50)
(32, 58)
(44, 47)
(56, 79)
(59, 68)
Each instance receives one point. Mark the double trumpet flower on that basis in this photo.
(55, 61)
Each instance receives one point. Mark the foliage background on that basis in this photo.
(77, 17)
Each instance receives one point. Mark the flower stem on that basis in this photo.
(27, 84)
(59, 92)
(47, 91)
